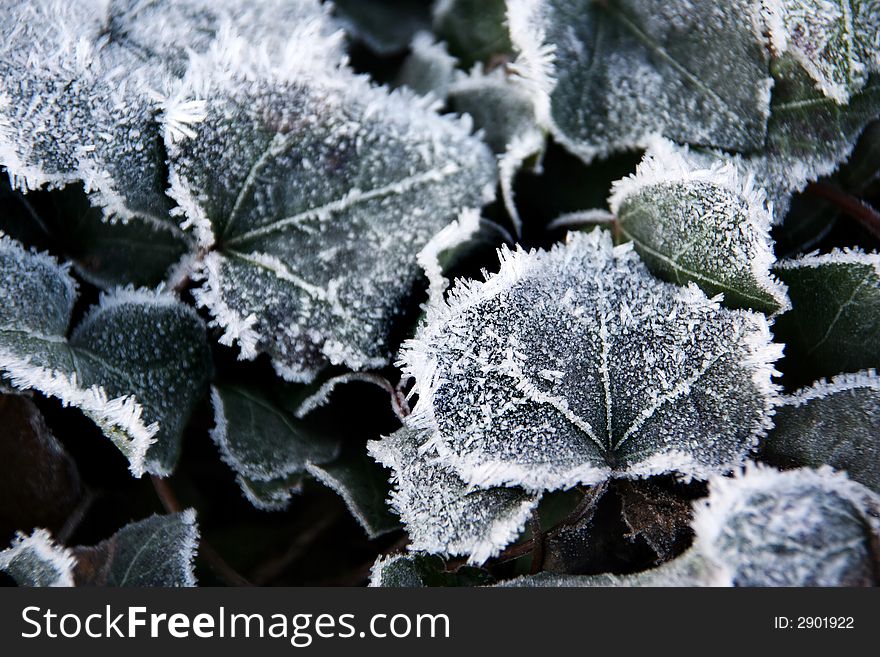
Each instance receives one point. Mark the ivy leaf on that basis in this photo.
(385, 26)
(417, 570)
(834, 42)
(624, 70)
(157, 551)
(36, 560)
(706, 224)
(475, 30)
(363, 486)
(795, 528)
(835, 316)
(137, 364)
(41, 483)
(835, 423)
(573, 365)
(298, 169)
(265, 444)
(441, 513)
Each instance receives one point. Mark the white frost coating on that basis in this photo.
(40, 548)
(534, 62)
(455, 234)
(729, 212)
(796, 528)
(180, 115)
(441, 513)
(840, 383)
(274, 500)
(835, 41)
(351, 503)
(837, 256)
(520, 378)
(189, 547)
(581, 218)
(117, 414)
(236, 329)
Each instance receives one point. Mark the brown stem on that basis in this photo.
(537, 544)
(223, 570)
(271, 570)
(849, 204)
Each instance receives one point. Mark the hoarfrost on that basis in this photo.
(36, 560)
(573, 365)
(299, 168)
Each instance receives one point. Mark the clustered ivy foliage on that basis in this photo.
(453, 293)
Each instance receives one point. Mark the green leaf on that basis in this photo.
(297, 170)
(441, 513)
(572, 365)
(835, 42)
(475, 30)
(385, 26)
(835, 423)
(417, 570)
(36, 560)
(265, 444)
(137, 364)
(835, 317)
(626, 69)
(157, 551)
(363, 485)
(706, 224)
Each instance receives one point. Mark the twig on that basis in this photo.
(271, 570)
(226, 572)
(849, 204)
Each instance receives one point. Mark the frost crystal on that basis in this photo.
(442, 513)
(136, 364)
(706, 224)
(796, 528)
(694, 72)
(298, 170)
(835, 423)
(573, 365)
(36, 560)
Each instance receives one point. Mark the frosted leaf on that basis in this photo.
(441, 513)
(475, 30)
(835, 317)
(137, 364)
(573, 365)
(36, 560)
(625, 69)
(272, 494)
(795, 528)
(157, 551)
(385, 26)
(264, 442)
(835, 41)
(296, 170)
(429, 68)
(363, 486)
(689, 569)
(416, 570)
(706, 224)
(835, 423)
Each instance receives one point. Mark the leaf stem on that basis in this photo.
(171, 505)
(849, 204)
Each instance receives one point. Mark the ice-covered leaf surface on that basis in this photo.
(835, 317)
(157, 551)
(264, 443)
(416, 570)
(575, 364)
(385, 26)
(835, 41)
(834, 423)
(443, 514)
(706, 224)
(695, 72)
(296, 170)
(475, 30)
(136, 364)
(796, 528)
(36, 560)
(363, 486)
